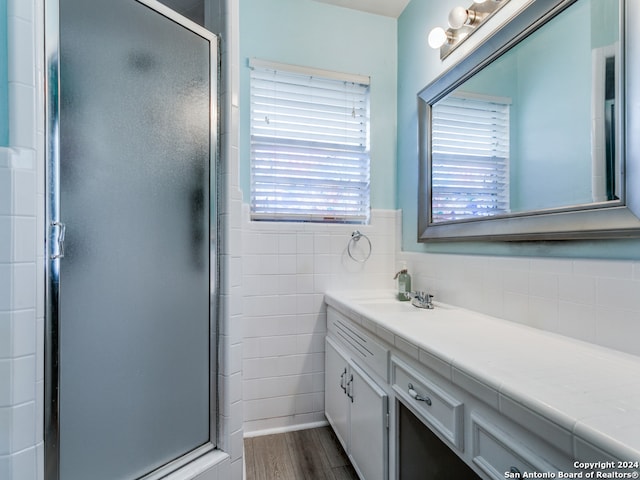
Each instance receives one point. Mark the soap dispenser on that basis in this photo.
(404, 283)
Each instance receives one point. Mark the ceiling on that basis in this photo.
(389, 8)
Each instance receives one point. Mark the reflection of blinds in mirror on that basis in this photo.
(470, 158)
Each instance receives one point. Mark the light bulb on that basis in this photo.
(437, 37)
(479, 1)
(458, 17)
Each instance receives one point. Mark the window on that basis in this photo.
(470, 158)
(309, 145)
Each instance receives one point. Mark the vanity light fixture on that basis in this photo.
(460, 16)
(438, 37)
(462, 23)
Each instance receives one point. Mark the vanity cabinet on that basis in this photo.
(454, 405)
(357, 409)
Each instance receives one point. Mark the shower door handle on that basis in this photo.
(62, 229)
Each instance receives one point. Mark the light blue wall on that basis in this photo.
(4, 87)
(418, 65)
(318, 35)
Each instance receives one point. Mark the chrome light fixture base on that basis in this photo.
(477, 14)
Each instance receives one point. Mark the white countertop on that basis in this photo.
(584, 390)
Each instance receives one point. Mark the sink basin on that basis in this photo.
(390, 306)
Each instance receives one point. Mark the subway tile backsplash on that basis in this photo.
(596, 301)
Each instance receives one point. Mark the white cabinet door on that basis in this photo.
(336, 402)
(369, 448)
(357, 409)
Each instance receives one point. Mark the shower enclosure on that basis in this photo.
(131, 240)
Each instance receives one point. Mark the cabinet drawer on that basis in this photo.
(436, 407)
(498, 453)
(361, 346)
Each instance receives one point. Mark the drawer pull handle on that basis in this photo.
(344, 389)
(515, 471)
(416, 396)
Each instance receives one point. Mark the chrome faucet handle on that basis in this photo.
(422, 300)
(422, 296)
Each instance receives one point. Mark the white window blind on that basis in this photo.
(309, 146)
(470, 158)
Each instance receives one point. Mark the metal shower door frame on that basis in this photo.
(54, 234)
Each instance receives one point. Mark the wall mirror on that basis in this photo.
(526, 137)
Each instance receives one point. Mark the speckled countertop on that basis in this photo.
(566, 390)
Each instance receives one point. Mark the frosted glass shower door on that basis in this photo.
(135, 283)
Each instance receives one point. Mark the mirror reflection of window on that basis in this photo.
(605, 181)
(470, 157)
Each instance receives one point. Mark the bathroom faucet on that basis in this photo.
(421, 300)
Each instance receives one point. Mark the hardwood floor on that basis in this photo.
(314, 454)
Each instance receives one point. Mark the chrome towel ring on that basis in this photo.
(356, 236)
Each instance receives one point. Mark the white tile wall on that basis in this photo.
(286, 268)
(20, 352)
(592, 300)
(20, 256)
(230, 342)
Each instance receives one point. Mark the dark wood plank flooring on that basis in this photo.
(314, 454)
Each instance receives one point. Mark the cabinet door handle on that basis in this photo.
(350, 388)
(417, 397)
(344, 389)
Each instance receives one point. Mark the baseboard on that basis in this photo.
(284, 429)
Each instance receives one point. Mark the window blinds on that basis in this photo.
(309, 147)
(470, 158)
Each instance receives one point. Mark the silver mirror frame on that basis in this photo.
(619, 219)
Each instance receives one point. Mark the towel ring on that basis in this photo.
(353, 241)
